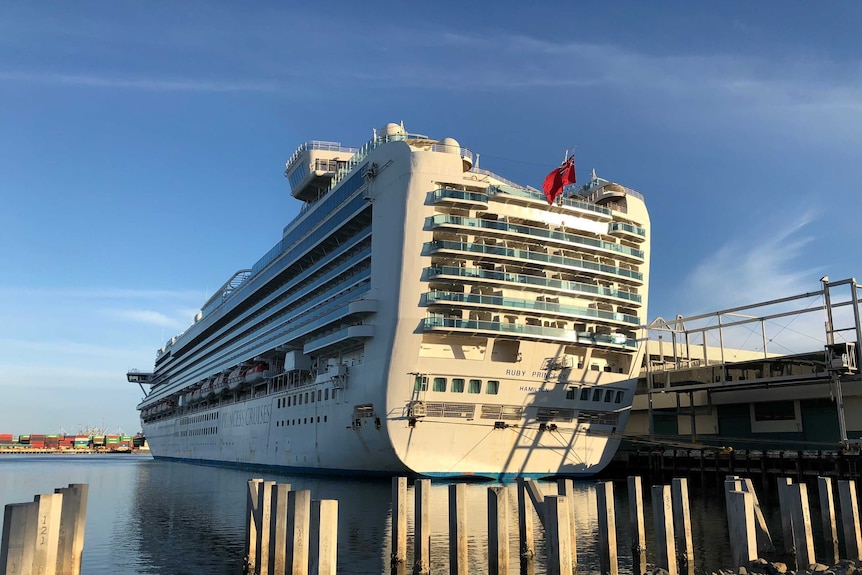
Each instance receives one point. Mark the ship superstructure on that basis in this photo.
(419, 315)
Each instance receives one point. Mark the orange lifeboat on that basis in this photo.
(219, 384)
(257, 373)
(236, 379)
(207, 389)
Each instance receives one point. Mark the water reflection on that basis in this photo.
(147, 516)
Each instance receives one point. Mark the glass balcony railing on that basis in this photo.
(443, 219)
(460, 195)
(583, 337)
(562, 285)
(540, 196)
(556, 308)
(437, 245)
(614, 226)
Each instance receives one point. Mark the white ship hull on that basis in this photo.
(477, 332)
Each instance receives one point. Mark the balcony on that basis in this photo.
(542, 283)
(629, 231)
(461, 199)
(544, 308)
(565, 239)
(503, 254)
(493, 328)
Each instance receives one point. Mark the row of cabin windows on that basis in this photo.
(307, 397)
(492, 386)
(300, 421)
(597, 393)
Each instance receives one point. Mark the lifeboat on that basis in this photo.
(236, 379)
(207, 389)
(257, 373)
(219, 384)
(196, 394)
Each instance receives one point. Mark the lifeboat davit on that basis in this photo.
(219, 384)
(207, 389)
(257, 373)
(236, 379)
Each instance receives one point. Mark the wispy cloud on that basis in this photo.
(101, 293)
(751, 268)
(138, 83)
(148, 317)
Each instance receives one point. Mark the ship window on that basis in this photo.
(570, 393)
(475, 386)
(299, 397)
(458, 385)
(306, 397)
(288, 400)
(324, 419)
(619, 398)
(493, 387)
(775, 411)
(319, 394)
(585, 394)
(326, 394)
(304, 420)
(608, 396)
(334, 391)
(594, 367)
(421, 383)
(597, 394)
(439, 384)
(312, 397)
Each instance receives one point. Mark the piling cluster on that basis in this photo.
(47, 535)
(289, 532)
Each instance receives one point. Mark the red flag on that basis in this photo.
(558, 179)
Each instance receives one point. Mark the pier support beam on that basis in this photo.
(399, 520)
(298, 525)
(557, 534)
(682, 524)
(73, 520)
(49, 507)
(525, 523)
(277, 563)
(802, 526)
(252, 521)
(636, 523)
(458, 529)
(827, 514)
(498, 531)
(18, 540)
(740, 522)
(264, 511)
(663, 521)
(850, 519)
(324, 537)
(422, 527)
(608, 561)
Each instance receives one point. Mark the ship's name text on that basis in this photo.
(251, 416)
(525, 373)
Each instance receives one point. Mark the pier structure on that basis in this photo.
(747, 531)
(776, 376)
(45, 536)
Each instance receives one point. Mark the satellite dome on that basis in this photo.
(450, 146)
(392, 129)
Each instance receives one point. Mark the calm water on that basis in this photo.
(147, 516)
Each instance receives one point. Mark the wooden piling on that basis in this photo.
(498, 531)
(827, 515)
(458, 529)
(803, 538)
(786, 509)
(18, 543)
(608, 561)
(850, 519)
(264, 511)
(636, 523)
(741, 527)
(525, 523)
(557, 535)
(663, 521)
(298, 525)
(252, 520)
(422, 527)
(324, 537)
(399, 520)
(73, 519)
(682, 524)
(566, 487)
(277, 563)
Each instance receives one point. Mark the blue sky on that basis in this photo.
(142, 147)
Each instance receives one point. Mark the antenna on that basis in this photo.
(477, 160)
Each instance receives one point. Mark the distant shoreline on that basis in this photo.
(51, 451)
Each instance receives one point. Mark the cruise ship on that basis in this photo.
(419, 316)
